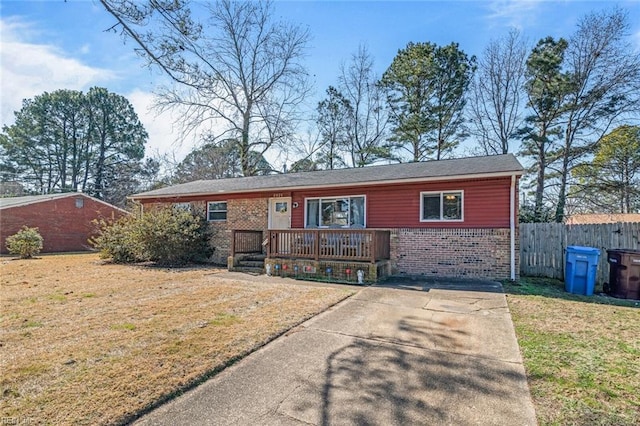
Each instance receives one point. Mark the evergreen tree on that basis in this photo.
(426, 86)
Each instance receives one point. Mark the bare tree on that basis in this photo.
(604, 87)
(239, 69)
(334, 119)
(497, 97)
(368, 128)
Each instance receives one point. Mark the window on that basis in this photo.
(182, 207)
(441, 206)
(335, 212)
(79, 203)
(217, 211)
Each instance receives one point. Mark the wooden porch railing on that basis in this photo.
(369, 245)
(244, 241)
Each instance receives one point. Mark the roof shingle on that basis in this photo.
(459, 168)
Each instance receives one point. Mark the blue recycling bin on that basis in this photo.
(581, 270)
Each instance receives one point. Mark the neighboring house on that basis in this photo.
(65, 221)
(588, 219)
(439, 218)
(11, 189)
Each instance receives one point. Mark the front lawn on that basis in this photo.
(580, 353)
(84, 342)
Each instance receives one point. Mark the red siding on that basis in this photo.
(63, 226)
(486, 204)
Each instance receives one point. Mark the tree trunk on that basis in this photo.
(244, 144)
(541, 174)
(562, 196)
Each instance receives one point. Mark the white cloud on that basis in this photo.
(514, 13)
(164, 135)
(85, 49)
(29, 69)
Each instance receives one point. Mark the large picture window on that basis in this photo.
(441, 206)
(343, 212)
(217, 211)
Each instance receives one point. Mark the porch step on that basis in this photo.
(253, 257)
(251, 264)
(248, 270)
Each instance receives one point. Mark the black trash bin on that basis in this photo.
(624, 273)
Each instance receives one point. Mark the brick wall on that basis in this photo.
(64, 226)
(248, 214)
(481, 253)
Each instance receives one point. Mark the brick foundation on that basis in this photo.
(319, 270)
(478, 253)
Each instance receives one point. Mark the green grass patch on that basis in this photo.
(125, 326)
(224, 319)
(56, 297)
(580, 353)
(548, 287)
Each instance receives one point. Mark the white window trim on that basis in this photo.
(209, 211)
(335, 197)
(441, 193)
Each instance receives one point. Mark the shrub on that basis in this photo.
(118, 240)
(174, 237)
(26, 243)
(165, 236)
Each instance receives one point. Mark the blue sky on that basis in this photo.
(50, 45)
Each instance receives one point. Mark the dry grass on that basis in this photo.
(87, 343)
(580, 353)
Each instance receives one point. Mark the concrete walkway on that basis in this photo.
(443, 355)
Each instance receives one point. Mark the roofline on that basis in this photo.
(61, 196)
(339, 185)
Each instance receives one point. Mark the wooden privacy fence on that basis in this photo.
(542, 245)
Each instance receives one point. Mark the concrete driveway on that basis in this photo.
(443, 355)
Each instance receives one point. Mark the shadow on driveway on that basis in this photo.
(377, 380)
(385, 356)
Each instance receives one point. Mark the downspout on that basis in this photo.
(512, 215)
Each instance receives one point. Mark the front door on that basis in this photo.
(280, 213)
(280, 218)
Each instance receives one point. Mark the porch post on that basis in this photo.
(374, 244)
(233, 243)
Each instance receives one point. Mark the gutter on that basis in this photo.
(330, 185)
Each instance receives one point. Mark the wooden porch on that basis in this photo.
(351, 245)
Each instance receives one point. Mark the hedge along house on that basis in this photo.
(65, 220)
(449, 218)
